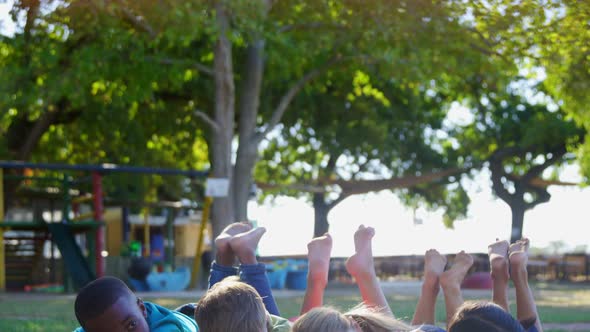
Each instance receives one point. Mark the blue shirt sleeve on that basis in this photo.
(429, 328)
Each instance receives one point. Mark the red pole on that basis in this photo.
(98, 213)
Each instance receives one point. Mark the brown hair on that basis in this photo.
(484, 317)
(231, 305)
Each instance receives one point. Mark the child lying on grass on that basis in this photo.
(374, 314)
(108, 305)
(506, 261)
(238, 304)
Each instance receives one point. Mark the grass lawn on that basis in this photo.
(556, 303)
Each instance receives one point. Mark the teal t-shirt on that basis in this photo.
(160, 319)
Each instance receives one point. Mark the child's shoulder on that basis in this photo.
(161, 319)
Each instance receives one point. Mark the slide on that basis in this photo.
(75, 262)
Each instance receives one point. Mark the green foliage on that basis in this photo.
(565, 55)
(372, 128)
(549, 40)
(520, 140)
(380, 113)
(119, 82)
(103, 81)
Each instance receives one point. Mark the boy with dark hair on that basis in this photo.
(108, 305)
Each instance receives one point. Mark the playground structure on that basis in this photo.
(77, 231)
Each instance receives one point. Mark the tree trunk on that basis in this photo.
(518, 211)
(222, 211)
(248, 144)
(320, 209)
(245, 161)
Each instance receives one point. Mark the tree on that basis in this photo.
(520, 140)
(565, 56)
(237, 69)
(413, 41)
(349, 134)
(549, 41)
(319, 150)
(77, 96)
(511, 134)
(520, 136)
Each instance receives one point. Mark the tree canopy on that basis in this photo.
(361, 90)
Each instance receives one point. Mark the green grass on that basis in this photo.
(556, 303)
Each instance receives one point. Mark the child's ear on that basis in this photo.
(141, 306)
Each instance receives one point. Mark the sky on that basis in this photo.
(6, 25)
(289, 221)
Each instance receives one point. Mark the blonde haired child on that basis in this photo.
(374, 315)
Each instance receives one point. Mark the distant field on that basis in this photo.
(558, 304)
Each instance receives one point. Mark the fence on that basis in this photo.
(568, 267)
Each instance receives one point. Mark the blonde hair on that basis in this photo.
(364, 318)
(231, 305)
(371, 319)
(323, 319)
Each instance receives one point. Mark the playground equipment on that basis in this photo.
(62, 234)
(23, 242)
(161, 276)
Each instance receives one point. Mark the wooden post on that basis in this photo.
(197, 260)
(170, 238)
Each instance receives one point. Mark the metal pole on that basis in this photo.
(146, 232)
(197, 260)
(102, 168)
(170, 238)
(65, 211)
(98, 215)
(125, 227)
